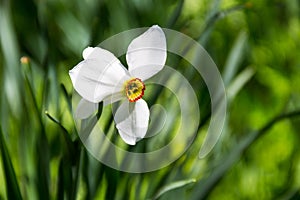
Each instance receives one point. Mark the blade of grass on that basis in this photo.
(206, 31)
(60, 183)
(9, 50)
(234, 58)
(42, 167)
(69, 147)
(238, 83)
(173, 186)
(203, 188)
(66, 95)
(42, 156)
(85, 174)
(77, 174)
(65, 179)
(112, 182)
(12, 187)
(176, 14)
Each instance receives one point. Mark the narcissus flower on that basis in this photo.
(102, 77)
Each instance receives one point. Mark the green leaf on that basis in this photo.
(172, 186)
(12, 187)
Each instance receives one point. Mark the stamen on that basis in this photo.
(134, 89)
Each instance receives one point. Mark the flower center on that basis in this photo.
(134, 89)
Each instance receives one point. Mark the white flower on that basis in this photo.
(102, 77)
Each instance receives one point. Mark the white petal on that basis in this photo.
(146, 54)
(132, 121)
(114, 98)
(87, 51)
(85, 109)
(99, 76)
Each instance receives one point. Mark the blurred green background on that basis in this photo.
(255, 45)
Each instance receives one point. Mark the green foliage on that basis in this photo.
(255, 45)
(12, 188)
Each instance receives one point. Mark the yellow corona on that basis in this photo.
(134, 89)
